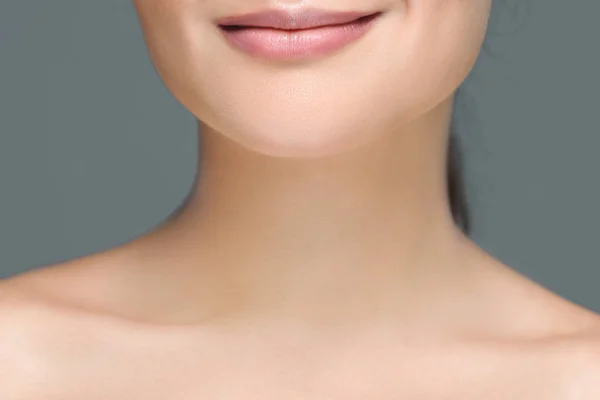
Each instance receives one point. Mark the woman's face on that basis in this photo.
(414, 57)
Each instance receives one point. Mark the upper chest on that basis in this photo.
(76, 361)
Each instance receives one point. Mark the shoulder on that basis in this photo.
(18, 308)
(583, 365)
(35, 298)
(17, 333)
(31, 326)
(590, 371)
(573, 336)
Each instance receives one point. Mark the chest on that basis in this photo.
(110, 372)
(96, 363)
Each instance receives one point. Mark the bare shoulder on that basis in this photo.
(18, 313)
(578, 362)
(576, 339)
(32, 297)
(585, 383)
(34, 311)
(19, 305)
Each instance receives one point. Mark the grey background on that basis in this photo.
(95, 151)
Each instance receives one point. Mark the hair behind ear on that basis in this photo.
(457, 195)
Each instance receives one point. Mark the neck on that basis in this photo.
(326, 238)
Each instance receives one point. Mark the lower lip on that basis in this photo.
(278, 44)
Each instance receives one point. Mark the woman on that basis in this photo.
(320, 255)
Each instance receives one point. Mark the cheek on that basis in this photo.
(172, 31)
(444, 38)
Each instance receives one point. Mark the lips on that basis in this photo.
(301, 19)
(293, 35)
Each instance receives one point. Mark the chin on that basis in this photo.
(284, 130)
(292, 139)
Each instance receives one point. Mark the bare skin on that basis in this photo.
(318, 257)
(62, 337)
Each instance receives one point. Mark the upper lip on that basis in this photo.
(303, 18)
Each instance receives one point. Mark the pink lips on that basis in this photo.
(279, 34)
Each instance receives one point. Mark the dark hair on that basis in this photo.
(455, 179)
(456, 189)
(457, 195)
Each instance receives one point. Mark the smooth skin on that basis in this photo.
(317, 258)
